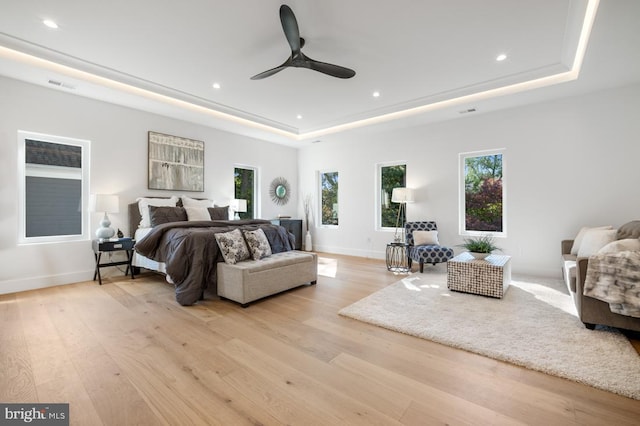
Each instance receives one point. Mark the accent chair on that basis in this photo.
(424, 247)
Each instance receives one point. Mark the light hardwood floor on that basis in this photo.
(126, 353)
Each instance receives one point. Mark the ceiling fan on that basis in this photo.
(297, 58)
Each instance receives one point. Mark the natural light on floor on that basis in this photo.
(327, 267)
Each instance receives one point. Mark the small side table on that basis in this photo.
(122, 244)
(398, 257)
(488, 277)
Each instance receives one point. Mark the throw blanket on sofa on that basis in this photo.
(190, 251)
(615, 278)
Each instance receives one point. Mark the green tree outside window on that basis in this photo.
(483, 193)
(244, 181)
(394, 176)
(329, 204)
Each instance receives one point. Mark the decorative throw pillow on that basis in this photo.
(232, 246)
(159, 215)
(425, 238)
(629, 230)
(578, 239)
(192, 202)
(219, 213)
(594, 240)
(629, 244)
(144, 203)
(197, 213)
(258, 244)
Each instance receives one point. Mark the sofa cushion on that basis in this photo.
(578, 239)
(569, 273)
(629, 230)
(594, 240)
(629, 244)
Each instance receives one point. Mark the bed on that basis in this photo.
(186, 251)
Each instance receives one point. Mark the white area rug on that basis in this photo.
(535, 325)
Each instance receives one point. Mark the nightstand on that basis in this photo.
(122, 244)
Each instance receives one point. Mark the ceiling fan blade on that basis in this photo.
(290, 28)
(270, 72)
(330, 69)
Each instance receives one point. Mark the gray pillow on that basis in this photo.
(629, 230)
(219, 213)
(159, 215)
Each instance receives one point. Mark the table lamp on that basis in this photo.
(107, 204)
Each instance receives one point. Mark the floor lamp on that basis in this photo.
(401, 196)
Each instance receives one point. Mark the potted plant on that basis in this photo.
(480, 247)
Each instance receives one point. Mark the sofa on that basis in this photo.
(575, 263)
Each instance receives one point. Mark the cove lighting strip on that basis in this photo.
(572, 74)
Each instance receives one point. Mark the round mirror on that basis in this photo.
(279, 191)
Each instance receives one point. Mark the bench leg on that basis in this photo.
(313, 282)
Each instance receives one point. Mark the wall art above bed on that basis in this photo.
(175, 163)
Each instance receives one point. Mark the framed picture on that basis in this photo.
(175, 163)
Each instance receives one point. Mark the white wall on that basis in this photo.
(119, 165)
(569, 163)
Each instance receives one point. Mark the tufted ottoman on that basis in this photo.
(251, 280)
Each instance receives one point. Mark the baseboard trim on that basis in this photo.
(34, 283)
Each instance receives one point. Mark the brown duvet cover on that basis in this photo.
(190, 251)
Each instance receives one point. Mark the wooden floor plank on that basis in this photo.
(126, 353)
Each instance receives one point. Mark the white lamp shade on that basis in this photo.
(402, 195)
(105, 203)
(238, 205)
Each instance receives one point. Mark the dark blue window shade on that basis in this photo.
(53, 206)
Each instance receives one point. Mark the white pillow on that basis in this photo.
(191, 202)
(630, 244)
(425, 237)
(594, 240)
(144, 203)
(578, 239)
(197, 213)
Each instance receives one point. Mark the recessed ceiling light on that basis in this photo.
(376, 94)
(49, 23)
(216, 85)
(501, 57)
(299, 117)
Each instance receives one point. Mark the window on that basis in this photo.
(482, 193)
(390, 175)
(245, 189)
(329, 198)
(54, 190)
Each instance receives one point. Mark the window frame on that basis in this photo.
(85, 145)
(378, 193)
(461, 193)
(256, 193)
(320, 174)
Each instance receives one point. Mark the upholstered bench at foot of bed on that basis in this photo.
(251, 280)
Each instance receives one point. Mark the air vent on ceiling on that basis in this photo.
(61, 84)
(466, 111)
